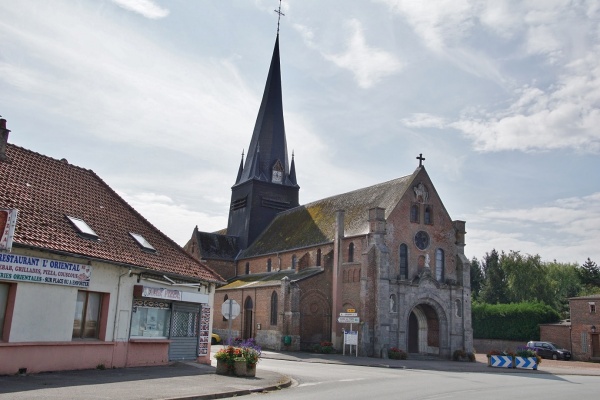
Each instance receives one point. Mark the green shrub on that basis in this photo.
(516, 321)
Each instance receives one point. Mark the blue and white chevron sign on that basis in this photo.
(526, 362)
(501, 361)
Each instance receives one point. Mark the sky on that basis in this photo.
(159, 98)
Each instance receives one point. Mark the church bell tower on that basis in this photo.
(266, 181)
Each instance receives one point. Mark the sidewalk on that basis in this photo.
(195, 381)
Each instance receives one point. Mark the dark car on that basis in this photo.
(550, 350)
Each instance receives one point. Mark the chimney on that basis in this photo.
(3, 139)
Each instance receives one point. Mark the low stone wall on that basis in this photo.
(486, 345)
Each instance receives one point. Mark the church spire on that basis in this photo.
(239, 175)
(269, 130)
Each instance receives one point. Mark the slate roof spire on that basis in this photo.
(268, 138)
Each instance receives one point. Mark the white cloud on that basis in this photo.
(424, 120)
(565, 115)
(147, 8)
(567, 230)
(369, 65)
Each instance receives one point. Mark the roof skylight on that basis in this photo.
(142, 241)
(83, 228)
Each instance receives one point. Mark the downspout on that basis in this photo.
(116, 313)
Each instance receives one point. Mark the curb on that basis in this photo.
(286, 382)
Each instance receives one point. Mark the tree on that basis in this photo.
(526, 278)
(494, 286)
(589, 273)
(564, 283)
(477, 278)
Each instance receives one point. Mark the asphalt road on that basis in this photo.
(327, 381)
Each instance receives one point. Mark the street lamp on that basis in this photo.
(593, 328)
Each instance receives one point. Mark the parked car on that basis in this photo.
(550, 350)
(215, 339)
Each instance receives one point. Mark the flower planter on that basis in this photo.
(500, 361)
(526, 362)
(222, 367)
(239, 367)
(251, 370)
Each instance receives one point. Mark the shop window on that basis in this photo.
(351, 252)
(403, 261)
(274, 308)
(150, 319)
(3, 304)
(428, 219)
(439, 265)
(269, 265)
(86, 322)
(414, 213)
(318, 257)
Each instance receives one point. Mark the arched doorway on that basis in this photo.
(315, 320)
(248, 315)
(424, 330)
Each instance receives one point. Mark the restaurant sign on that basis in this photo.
(15, 267)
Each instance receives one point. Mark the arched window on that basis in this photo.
(351, 252)
(247, 268)
(428, 219)
(414, 213)
(318, 257)
(439, 265)
(294, 261)
(393, 303)
(269, 265)
(403, 261)
(274, 308)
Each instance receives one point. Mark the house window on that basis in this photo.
(3, 304)
(592, 307)
(294, 261)
(393, 304)
(439, 265)
(414, 213)
(87, 315)
(318, 257)
(152, 319)
(584, 342)
(403, 261)
(274, 308)
(428, 219)
(247, 268)
(269, 265)
(84, 230)
(351, 252)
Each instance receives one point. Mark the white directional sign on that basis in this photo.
(348, 320)
(230, 306)
(348, 314)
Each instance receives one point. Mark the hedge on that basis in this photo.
(516, 321)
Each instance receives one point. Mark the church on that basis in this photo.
(382, 266)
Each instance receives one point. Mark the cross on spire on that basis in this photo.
(279, 16)
(421, 159)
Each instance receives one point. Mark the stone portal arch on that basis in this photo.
(315, 319)
(426, 324)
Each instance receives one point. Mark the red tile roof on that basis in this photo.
(44, 190)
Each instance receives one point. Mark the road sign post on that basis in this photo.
(350, 337)
(230, 310)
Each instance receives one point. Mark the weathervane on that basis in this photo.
(279, 16)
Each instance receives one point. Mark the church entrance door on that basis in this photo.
(315, 321)
(423, 330)
(248, 308)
